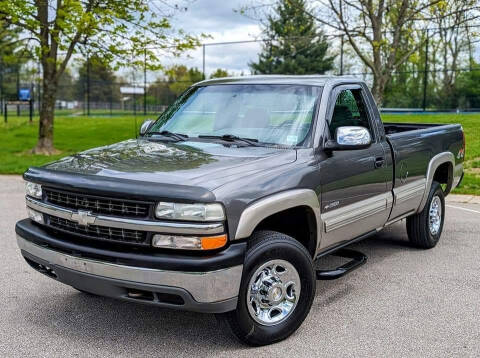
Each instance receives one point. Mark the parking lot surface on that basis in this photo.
(403, 302)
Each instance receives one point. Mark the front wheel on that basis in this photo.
(425, 228)
(276, 292)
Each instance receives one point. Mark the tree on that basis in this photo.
(120, 30)
(102, 80)
(159, 93)
(219, 73)
(454, 38)
(468, 87)
(180, 78)
(382, 33)
(294, 44)
(12, 57)
(66, 86)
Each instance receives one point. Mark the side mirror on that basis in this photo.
(146, 126)
(349, 138)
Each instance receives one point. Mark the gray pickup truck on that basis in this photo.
(225, 202)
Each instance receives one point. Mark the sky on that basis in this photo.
(218, 19)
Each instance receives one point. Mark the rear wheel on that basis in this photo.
(277, 290)
(425, 228)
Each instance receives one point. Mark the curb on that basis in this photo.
(467, 199)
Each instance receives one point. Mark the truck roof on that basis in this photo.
(312, 80)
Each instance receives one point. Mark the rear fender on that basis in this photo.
(435, 162)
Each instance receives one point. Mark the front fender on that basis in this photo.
(263, 208)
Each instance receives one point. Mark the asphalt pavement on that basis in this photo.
(403, 302)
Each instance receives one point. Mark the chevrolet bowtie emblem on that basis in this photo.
(83, 218)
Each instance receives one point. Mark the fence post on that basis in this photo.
(425, 75)
(270, 63)
(32, 101)
(1, 84)
(134, 101)
(341, 55)
(203, 63)
(111, 98)
(18, 88)
(39, 98)
(5, 113)
(88, 84)
(145, 82)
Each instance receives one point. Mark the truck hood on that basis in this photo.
(208, 165)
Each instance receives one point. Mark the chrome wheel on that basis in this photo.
(273, 292)
(435, 215)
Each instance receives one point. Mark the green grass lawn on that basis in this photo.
(76, 133)
(72, 134)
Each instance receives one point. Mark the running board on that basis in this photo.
(358, 259)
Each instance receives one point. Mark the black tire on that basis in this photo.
(418, 225)
(265, 246)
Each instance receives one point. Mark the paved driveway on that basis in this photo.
(403, 303)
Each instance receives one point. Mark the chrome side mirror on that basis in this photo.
(350, 138)
(353, 136)
(146, 126)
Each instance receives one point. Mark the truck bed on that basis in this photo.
(413, 147)
(394, 128)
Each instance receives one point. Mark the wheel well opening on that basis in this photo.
(444, 175)
(298, 222)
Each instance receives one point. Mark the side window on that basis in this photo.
(349, 110)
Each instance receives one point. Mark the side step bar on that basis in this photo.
(358, 259)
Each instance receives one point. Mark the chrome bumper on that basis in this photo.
(205, 287)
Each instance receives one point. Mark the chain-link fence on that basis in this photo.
(427, 82)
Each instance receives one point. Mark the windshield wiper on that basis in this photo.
(232, 138)
(177, 136)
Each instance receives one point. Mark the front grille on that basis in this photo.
(98, 205)
(98, 232)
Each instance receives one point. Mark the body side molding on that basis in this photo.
(275, 203)
(409, 191)
(360, 210)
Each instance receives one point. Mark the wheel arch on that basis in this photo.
(440, 168)
(271, 213)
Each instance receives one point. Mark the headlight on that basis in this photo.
(189, 242)
(33, 189)
(193, 212)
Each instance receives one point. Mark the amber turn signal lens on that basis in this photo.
(214, 242)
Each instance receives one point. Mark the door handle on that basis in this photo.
(379, 161)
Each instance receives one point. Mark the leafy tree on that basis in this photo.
(118, 29)
(405, 88)
(159, 93)
(294, 45)
(180, 78)
(384, 33)
(102, 80)
(468, 87)
(66, 86)
(12, 57)
(219, 73)
(452, 39)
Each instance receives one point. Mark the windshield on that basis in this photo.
(273, 114)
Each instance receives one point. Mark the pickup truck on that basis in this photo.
(225, 202)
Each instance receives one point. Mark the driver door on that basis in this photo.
(354, 194)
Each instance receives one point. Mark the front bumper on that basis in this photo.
(202, 290)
